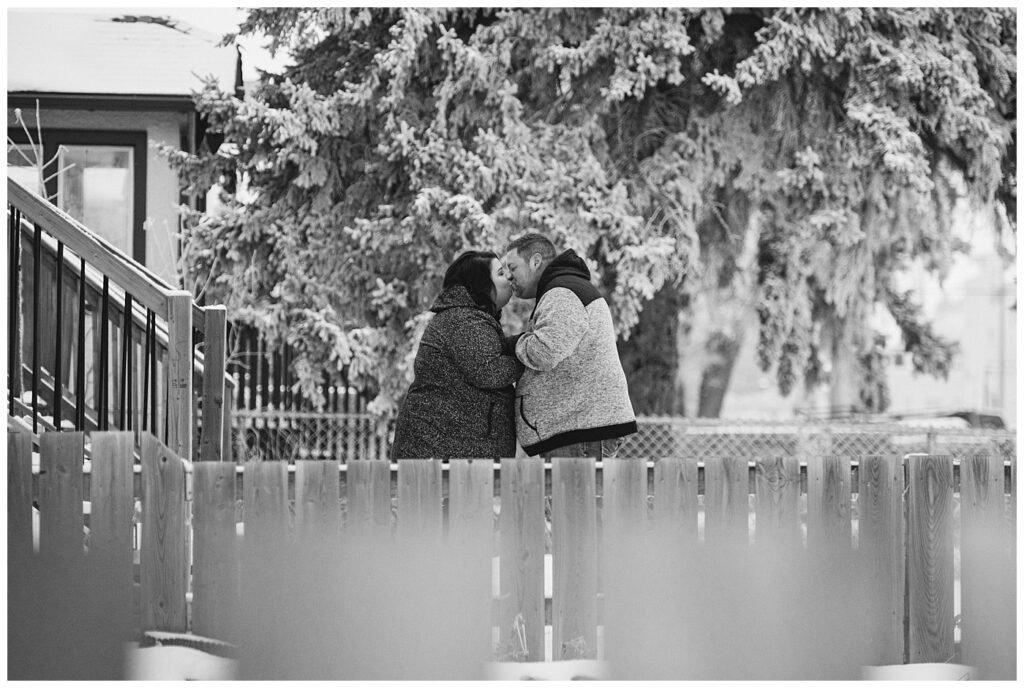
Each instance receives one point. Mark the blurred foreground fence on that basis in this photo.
(677, 568)
(306, 435)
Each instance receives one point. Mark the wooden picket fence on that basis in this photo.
(586, 515)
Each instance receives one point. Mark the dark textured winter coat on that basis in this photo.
(462, 400)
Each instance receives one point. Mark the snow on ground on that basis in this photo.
(176, 663)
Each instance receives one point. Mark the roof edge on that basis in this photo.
(101, 101)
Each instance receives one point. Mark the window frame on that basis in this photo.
(136, 140)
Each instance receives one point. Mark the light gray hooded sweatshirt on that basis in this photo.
(573, 389)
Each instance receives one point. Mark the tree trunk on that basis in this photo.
(650, 357)
(716, 377)
(843, 387)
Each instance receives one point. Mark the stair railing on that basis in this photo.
(96, 341)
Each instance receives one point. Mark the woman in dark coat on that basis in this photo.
(462, 399)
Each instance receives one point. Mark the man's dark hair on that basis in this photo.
(472, 269)
(531, 243)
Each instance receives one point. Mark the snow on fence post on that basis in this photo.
(881, 543)
(110, 525)
(163, 557)
(726, 503)
(930, 541)
(521, 568)
(574, 558)
(215, 581)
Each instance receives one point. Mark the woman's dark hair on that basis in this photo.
(472, 269)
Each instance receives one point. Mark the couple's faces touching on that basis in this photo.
(523, 273)
(502, 284)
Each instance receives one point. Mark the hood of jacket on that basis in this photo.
(455, 297)
(565, 264)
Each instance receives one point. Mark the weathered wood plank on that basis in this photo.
(265, 489)
(61, 495)
(675, 499)
(420, 515)
(368, 498)
(163, 556)
(777, 501)
(726, 500)
(829, 523)
(624, 502)
(179, 373)
(986, 570)
(214, 361)
(317, 500)
(470, 542)
(930, 575)
(215, 581)
(471, 504)
(110, 526)
(521, 569)
(19, 495)
(574, 558)
(882, 540)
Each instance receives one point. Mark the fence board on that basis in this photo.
(368, 496)
(624, 502)
(163, 557)
(930, 539)
(828, 503)
(471, 503)
(419, 500)
(675, 499)
(110, 526)
(777, 503)
(213, 447)
(265, 488)
(179, 373)
(882, 540)
(61, 495)
(215, 581)
(317, 501)
(726, 500)
(521, 568)
(19, 495)
(574, 558)
(470, 537)
(986, 580)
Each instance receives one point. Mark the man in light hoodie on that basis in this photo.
(572, 399)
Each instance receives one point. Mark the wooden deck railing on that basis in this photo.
(97, 341)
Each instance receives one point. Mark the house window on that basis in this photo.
(97, 177)
(96, 189)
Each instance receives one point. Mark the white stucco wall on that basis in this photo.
(162, 195)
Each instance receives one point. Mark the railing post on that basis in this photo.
(212, 447)
(179, 373)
